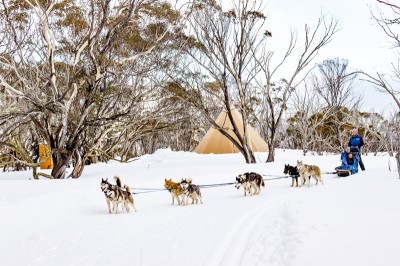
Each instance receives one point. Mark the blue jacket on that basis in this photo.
(355, 143)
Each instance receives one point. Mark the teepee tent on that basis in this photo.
(215, 142)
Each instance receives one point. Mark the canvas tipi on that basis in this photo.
(215, 142)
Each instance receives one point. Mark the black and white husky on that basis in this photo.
(117, 194)
(190, 190)
(251, 183)
(293, 172)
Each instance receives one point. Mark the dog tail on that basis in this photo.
(262, 182)
(128, 189)
(130, 196)
(318, 171)
(118, 181)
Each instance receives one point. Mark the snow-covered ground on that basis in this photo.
(346, 221)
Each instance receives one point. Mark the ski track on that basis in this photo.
(230, 249)
(243, 244)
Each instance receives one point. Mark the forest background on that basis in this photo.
(117, 79)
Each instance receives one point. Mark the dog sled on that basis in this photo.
(346, 168)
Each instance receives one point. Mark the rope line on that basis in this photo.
(279, 177)
(138, 188)
(216, 185)
(143, 192)
(150, 190)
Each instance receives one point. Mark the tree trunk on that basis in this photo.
(59, 169)
(60, 161)
(249, 155)
(398, 162)
(253, 158)
(271, 149)
(247, 152)
(78, 167)
(34, 172)
(271, 155)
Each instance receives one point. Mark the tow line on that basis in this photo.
(150, 190)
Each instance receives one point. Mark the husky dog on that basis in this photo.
(251, 183)
(126, 194)
(112, 194)
(190, 190)
(115, 194)
(293, 172)
(306, 170)
(174, 189)
(241, 181)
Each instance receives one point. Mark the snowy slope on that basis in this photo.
(347, 221)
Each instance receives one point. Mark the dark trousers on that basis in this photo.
(361, 162)
(356, 149)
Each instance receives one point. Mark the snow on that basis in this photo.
(346, 221)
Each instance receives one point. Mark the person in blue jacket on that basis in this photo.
(355, 144)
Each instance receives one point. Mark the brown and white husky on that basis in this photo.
(306, 171)
(175, 190)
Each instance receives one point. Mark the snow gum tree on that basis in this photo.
(76, 69)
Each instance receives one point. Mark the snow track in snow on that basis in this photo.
(231, 249)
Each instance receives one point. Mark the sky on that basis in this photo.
(360, 39)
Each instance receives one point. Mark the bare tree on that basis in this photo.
(388, 18)
(334, 83)
(218, 70)
(277, 92)
(309, 116)
(386, 82)
(380, 133)
(72, 67)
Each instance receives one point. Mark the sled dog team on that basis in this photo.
(182, 191)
